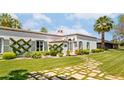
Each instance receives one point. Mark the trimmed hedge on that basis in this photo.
(36, 54)
(85, 51)
(9, 55)
(77, 52)
(68, 52)
(60, 54)
(27, 54)
(46, 53)
(97, 50)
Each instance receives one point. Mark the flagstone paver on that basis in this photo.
(85, 71)
(78, 76)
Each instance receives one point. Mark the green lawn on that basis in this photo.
(113, 62)
(37, 64)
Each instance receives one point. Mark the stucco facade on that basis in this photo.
(41, 41)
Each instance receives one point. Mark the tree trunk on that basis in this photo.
(102, 40)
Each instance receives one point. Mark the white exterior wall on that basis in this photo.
(33, 36)
(92, 44)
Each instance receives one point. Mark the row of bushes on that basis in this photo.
(83, 51)
(97, 50)
(34, 54)
(86, 51)
(38, 54)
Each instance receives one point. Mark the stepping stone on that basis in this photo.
(38, 76)
(110, 77)
(97, 71)
(71, 70)
(101, 75)
(63, 77)
(78, 76)
(31, 78)
(67, 68)
(90, 78)
(67, 74)
(45, 71)
(82, 73)
(55, 78)
(58, 69)
(120, 78)
(49, 74)
(92, 74)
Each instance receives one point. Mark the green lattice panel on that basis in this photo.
(20, 46)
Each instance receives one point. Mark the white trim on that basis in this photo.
(43, 45)
(26, 38)
(2, 45)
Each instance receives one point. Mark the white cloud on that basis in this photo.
(30, 24)
(42, 17)
(68, 30)
(36, 21)
(89, 15)
(14, 15)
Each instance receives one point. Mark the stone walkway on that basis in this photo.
(85, 71)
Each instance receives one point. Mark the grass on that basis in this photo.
(37, 64)
(113, 61)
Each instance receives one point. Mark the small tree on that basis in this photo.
(102, 25)
(119, 29)
(44, 30)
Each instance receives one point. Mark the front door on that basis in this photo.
(39, 45)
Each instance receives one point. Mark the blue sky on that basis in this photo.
(70, 23)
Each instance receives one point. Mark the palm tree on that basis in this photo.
(44, 30)
(102, 25)
(7, 20)
(16, 23)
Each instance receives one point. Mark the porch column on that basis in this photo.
(77, 44)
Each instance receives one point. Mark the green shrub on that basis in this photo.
(53, 52)
(85, 51)
(27, 54)
(68, 52)
(97, 50)
(9, 55)
(36, 54)
(46, 53)
(60, 54)
(77, 52)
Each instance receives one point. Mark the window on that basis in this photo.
(39, 45)
(65, 45)
(88, 45)
(0, 45)
(80, 45)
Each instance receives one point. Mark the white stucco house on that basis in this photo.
(40, 41)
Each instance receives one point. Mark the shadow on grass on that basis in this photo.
(120, 49)
(16, 75)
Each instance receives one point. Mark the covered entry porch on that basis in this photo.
(71, 45)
